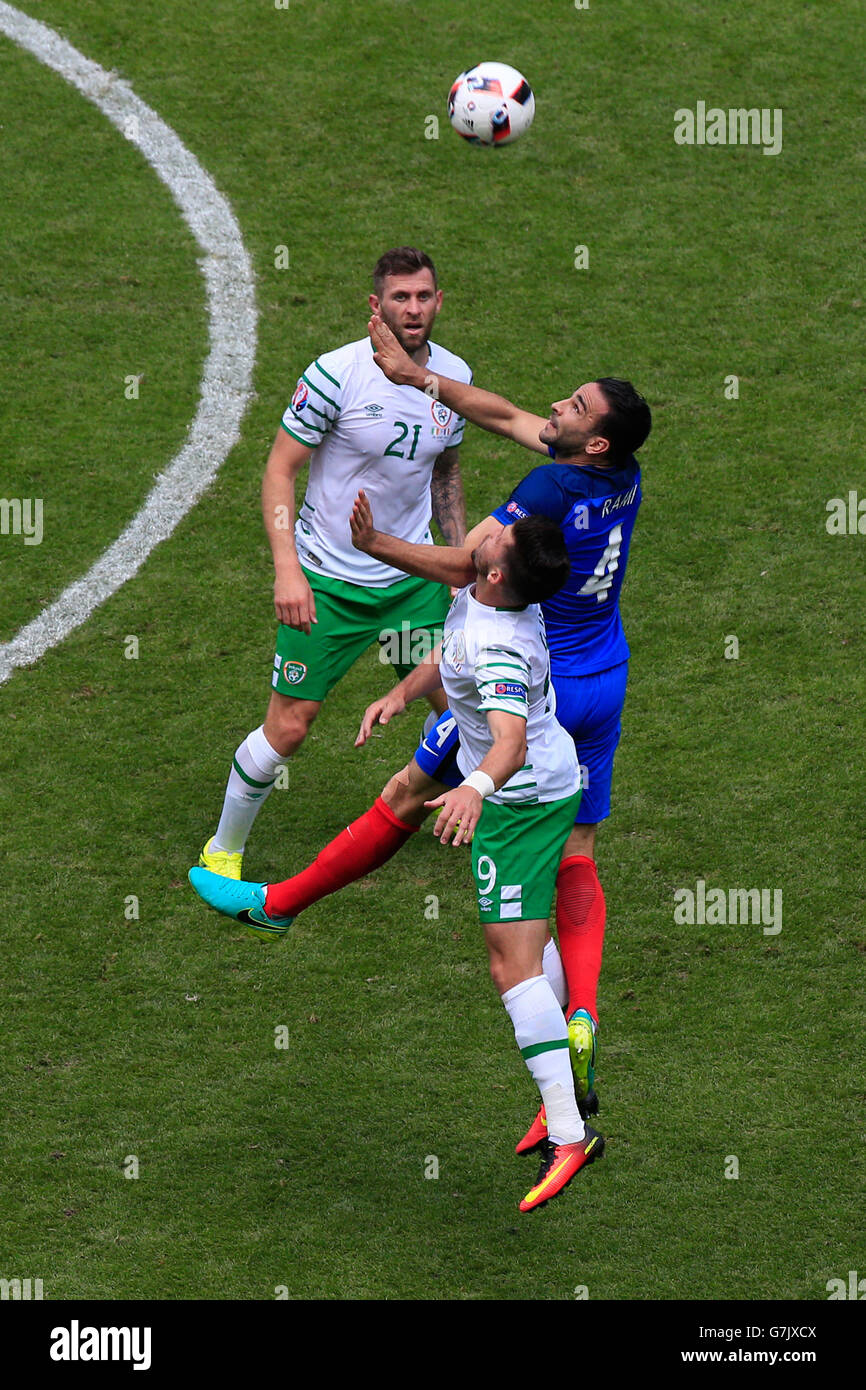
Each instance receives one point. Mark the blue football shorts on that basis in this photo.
(587, 707)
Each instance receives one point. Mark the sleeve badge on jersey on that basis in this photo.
(516, 510)
(454, 647)
(300, 398)
(509, 688)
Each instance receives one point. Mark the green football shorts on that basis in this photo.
(515, 857)
(406, 618)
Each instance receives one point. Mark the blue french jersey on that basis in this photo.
(597, 509)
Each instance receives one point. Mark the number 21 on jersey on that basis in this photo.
(393, 451)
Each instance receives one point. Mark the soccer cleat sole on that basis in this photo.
(261, 930)
(582, 1052)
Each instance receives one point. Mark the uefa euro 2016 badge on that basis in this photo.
(300, 398)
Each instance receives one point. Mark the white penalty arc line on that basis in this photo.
(226, 384)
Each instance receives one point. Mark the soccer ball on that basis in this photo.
(491, 104)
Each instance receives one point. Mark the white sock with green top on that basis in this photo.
(254, 771)
(542, 1036)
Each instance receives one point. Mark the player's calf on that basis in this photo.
(407, 791)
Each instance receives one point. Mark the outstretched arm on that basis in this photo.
(483, 408)
(446, 564)
(423, 680)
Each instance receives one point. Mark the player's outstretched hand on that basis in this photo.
(361, 523)
(294, 602)
(393, 359)
(461, 812)
(380, 712)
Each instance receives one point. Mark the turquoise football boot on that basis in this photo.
(239, 899)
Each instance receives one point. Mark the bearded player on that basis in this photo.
(357, 430)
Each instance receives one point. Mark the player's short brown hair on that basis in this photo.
(402, 260)
(537, 565)
(627, 420)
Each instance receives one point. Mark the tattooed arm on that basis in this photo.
(446, 495)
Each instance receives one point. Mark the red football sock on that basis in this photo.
(580, 913)
(363, 846)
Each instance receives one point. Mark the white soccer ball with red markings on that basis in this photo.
(491, 104)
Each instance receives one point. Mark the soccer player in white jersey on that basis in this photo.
(516, 805)
(357, 430)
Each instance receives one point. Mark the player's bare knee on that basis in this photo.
(287, 724)
(499, 974)
(506, 973)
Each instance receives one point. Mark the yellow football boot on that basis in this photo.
(219, 861)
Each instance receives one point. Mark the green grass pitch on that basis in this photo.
(302, 1168)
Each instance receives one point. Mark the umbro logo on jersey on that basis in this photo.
(373, 410)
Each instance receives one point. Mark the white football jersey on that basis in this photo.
(497, 658)
(367, 433)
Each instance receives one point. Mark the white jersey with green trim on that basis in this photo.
(367, 433)
(497, 659)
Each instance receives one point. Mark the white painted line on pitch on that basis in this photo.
(226, 384)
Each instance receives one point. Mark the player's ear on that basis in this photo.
(374, 303)
(598, 445)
